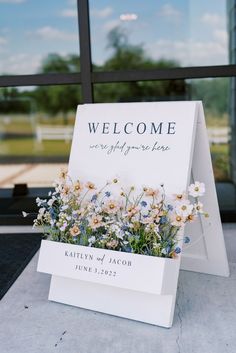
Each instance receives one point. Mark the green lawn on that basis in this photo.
(30, 147)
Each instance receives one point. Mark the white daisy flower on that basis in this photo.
(177, 220)
(197, 189)
(198, 207)
(184, 208)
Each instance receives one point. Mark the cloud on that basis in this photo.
(221, 36)
(20, 64)
(3, 41)
(69, 13)
(170, 13)
(102, 13)
(12, 1)
(191, 53)
(51, 33)
(213, 19)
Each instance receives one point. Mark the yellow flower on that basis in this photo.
(179, 197)
(151, 192)
(78, 187)
(132, 210)
(74, 231)
(95, 222)
(63, 174)
(111, 206)
(90, 186)
(65, 190)
(191, 218)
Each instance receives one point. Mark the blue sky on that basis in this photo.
(192, 32)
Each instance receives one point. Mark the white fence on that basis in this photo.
(219, 135)
(57, 132)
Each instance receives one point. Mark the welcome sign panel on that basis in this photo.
(140, 143)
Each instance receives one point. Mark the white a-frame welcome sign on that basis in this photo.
(141, 144)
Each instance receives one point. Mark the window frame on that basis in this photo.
(87, 77)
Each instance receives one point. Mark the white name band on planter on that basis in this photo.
(114, 268)
(140, 144)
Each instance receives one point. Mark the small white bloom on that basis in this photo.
(144, 212)
(51, 201)
(24, 214)
(41, 213)
(197, 189)
(183, 208)
(164, 251)
(98, 209)
(39, 201)
(198, 207)
(177, 220)
(91, 240)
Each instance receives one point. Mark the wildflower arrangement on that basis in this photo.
(144, 222)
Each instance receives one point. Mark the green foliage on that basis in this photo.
(57, 63)
(133, 57)
(214, 94)
(11, 101)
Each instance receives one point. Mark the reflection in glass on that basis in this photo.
(38, 37)
(36, 126)
(138, 34)
(214, 94)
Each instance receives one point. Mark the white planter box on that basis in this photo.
(128, 285)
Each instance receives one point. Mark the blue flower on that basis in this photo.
(186, 240)
(143, 203)
(82, 229)
(107, 193)
(170, 207)
(177, 250)
(52, 213)
(94, 198)
(163, 220)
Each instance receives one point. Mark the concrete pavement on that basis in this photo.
(204, 321)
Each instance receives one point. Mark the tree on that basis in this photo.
(133, 57)
(60, 98)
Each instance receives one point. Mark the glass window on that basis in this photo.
(38, 37)
(36, 125)
(214, 94)
(146, 34)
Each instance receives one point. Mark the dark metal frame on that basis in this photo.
(86, 78)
